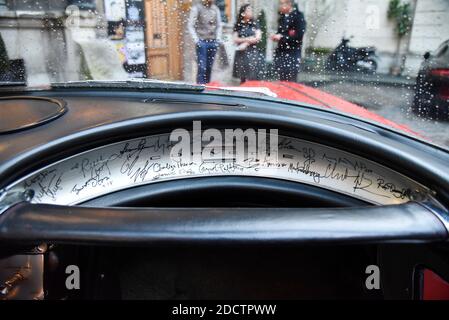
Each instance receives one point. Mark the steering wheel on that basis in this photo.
(391, 207)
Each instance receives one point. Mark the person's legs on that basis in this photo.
(253, 65)
(201, 53)
(288, 65)
(212, 48)
(282, 65)
(285, 71)
(295, 61)
(278, 65)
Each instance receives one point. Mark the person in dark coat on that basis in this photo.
(292, 26)
(248, 59)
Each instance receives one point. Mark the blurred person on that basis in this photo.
(292, 26)
(117, 36)
(205, 27)
(248, 57)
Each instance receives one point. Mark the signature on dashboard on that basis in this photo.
(147, 160)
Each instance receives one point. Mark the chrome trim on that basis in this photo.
(11, 198)
(147, 160)
(22, 277)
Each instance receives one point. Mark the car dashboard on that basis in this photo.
(96, 181)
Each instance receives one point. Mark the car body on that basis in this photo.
(432, 84)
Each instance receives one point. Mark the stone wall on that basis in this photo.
(47, 41)
(367, 22)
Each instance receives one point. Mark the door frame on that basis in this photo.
(174, 35)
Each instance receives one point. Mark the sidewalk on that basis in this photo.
(318, 79)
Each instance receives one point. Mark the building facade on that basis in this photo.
(368, 25)
(48, 34)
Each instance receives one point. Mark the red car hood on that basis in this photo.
(305, 94)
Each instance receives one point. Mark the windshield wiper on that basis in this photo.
(140, 84)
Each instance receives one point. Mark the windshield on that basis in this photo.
(385, 61)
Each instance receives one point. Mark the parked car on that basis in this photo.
(432, 84)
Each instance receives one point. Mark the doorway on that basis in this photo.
(163, 37)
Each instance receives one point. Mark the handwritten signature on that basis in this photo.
(147, 159)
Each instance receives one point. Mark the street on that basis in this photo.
(392, 102)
